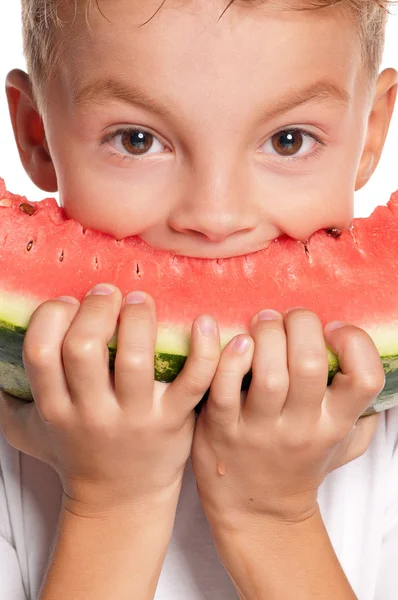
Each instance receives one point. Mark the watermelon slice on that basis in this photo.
(346, 277)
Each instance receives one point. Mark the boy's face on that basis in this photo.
(186, 131)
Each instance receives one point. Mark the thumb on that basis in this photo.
(357, 441)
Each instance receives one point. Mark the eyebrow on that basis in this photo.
(103, 90)
(320, 92)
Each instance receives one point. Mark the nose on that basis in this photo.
(215, 207)
(215, 231)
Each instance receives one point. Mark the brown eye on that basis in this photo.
(137, 141)
(287, 143)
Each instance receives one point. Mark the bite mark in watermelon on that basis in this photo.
(348, 277)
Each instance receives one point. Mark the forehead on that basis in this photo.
(186, 49)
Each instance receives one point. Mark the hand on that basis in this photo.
(268, 452)
(114, 440)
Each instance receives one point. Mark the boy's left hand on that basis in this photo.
(266, 453)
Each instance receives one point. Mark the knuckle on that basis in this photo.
(98, 304)
(266, 328)
(310, 366)
(134, 360)
(273, 384)
(37, 355)
(77, 349)
(300, 442)
(195, 384)
(371, 384)
(223, 403)
(205, 364)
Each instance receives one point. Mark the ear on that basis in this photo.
(29, 131)
(378, 125)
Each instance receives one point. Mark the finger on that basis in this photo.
(270, 376)
(194, 380)
(358, 440)
(85, 353)
(223, 409)
(134, 363)
(42, 355)
(308, 366)
(362, 375)
(22, 426)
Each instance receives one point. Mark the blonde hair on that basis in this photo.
(41, 20)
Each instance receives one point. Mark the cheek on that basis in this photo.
(325, 197)
(104, 205)
(321, 208)
(100, 197)
(118, 201)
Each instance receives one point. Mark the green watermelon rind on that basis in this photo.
(167, 365)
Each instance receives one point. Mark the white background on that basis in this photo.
(377, 191)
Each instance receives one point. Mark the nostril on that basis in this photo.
(214, 234)
(217, 236)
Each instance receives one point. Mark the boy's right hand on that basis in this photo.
(114, 440)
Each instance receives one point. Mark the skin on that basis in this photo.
(228, 196)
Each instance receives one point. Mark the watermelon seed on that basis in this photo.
(96, 263)
(336, 233)
(28, 208)
(61, 258)
(137, 270)
(29, 246)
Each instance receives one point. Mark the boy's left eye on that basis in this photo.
(290, 143)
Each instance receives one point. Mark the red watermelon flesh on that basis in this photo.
(349, 278)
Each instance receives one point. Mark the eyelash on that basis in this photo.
(306, 157)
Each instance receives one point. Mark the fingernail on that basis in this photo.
(334, 325)
(102, 289)
(135, 298)
(294, 308)
(69, 299)
(267, 315)
(241, 344)
(207, 325)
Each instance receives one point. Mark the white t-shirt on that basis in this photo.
(359, 504)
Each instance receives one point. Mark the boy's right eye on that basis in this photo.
(133, 142)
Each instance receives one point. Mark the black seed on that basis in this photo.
(28, 208)
(29, 246)
(61, 258)
(336, 233)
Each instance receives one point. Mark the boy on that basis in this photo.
(209, 137)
